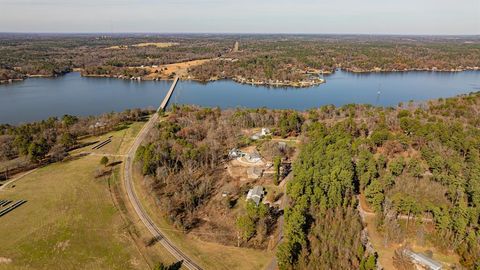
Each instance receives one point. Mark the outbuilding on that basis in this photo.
(255, 194)
(422, 260)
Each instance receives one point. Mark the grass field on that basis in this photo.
(70, 220)
(155, 44)
(73, 220)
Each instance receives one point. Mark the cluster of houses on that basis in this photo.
(255, 171)
(253, 157)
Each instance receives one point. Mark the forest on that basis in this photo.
(184, 160)
(30, 145)
(417, 166)
(284, 58)
(290, 58)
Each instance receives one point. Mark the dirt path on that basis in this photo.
(16, 179)
(364, 211)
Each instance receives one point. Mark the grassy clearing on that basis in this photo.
(387, 251)
(72, 219)
(69, 222)
(155, 44)
(121, 140)
(208, 255)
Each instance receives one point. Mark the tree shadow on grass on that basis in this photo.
(113, 164)
(174, 266)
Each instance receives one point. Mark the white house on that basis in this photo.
(265, 132)
(234, 153)
(255, 194)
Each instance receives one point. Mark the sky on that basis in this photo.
(418, 17)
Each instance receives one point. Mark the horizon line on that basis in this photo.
(232, 33)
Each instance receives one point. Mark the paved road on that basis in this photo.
(139, 210)
(273, 265)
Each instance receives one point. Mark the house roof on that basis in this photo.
(424, 260)
(255, 194)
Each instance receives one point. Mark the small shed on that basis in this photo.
(255, 194)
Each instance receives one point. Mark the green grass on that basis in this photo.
(121, 140)
(70, 220)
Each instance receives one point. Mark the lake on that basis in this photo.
(40, 98)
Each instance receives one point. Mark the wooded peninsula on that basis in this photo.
(294, 60)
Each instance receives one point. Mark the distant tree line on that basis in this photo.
(51, 139)
(417, 165)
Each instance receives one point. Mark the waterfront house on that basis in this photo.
(264, 132)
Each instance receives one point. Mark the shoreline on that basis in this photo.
(241, 80)
(377, 70)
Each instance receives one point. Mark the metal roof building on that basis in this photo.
(423, 260)
(255, 194)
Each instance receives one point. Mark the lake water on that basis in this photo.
(40, 98)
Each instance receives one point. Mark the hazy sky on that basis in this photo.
(243, 16)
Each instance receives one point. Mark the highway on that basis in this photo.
(133, 198)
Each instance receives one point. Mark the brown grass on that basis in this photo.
(156, 44)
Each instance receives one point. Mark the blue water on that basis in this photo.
(39, 98)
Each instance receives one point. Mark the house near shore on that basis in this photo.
(98, 125)
(422, 261)
(255, 194)
(263, 133)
